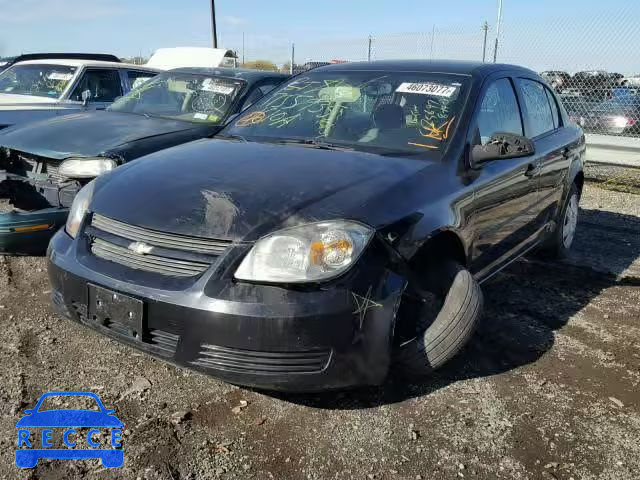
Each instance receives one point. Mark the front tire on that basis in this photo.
(437, 339)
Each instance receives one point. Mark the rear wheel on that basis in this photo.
(559, 244)
(436, 323)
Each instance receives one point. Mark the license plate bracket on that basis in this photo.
(107, 307)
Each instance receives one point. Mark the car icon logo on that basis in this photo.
(140, 248)
(32, 447)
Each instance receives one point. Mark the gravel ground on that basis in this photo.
(547, 389)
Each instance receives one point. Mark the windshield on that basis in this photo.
(36, 79)
(182, 96)
(381, 112)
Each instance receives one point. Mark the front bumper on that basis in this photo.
(29, 233)
(256, 335)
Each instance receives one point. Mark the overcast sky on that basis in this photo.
(543, 34)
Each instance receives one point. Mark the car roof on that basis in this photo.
(89, 63)
(240, 73)
(103, 57)
(455, 67)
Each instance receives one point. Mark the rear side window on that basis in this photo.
(104, 86)
(554, 108)
(499, 111)
(538, 110)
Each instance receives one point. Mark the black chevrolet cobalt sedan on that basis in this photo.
(339, 227)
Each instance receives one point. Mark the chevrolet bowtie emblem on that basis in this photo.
(140, 248)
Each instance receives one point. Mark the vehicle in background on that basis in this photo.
(558, 80)
(594, 84)
(183, 57)
(44, 164)
(38, 89)
(102, 57)
(632, 81)
(308, 66)
(617, 116)
(339, 226)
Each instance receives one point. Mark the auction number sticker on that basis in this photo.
(209, 86)
(60, 76)
(434, 89)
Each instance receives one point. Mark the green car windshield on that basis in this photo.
(182, 96)
(380, 112)
(40, 80)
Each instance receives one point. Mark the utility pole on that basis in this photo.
(369, 54)
(485, 27)
(243, 49)
(433, 40)
(293, 55)
(495, 50)
(213, 24)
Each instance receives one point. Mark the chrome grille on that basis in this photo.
(151, 263)
(250, 361)
(159, 239)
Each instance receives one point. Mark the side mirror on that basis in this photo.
(29, 410)
(86, 95)
(502, 146)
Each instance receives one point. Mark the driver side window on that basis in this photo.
(499, 111)
(104, 85)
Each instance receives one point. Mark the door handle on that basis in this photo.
(532, 170)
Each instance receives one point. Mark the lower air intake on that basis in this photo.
(250, 361)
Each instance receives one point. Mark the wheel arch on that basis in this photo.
(442, 243)
(578, 179)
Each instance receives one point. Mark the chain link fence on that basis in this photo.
(588, 55)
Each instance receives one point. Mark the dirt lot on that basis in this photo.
(549, 388)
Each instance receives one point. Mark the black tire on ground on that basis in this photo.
(439, 339)
(556, 246)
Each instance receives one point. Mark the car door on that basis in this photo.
(104, 84)
(506, 208)
(543, 125)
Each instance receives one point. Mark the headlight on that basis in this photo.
(79, 209)
(308, 253)
(86, 167)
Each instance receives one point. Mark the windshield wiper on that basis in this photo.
(312, 143)
(232, 137)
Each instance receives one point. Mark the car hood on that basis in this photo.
(86, 133)
(69, 418)
(11, 102)
(241, 191)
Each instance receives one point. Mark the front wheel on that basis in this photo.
(437, 328)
